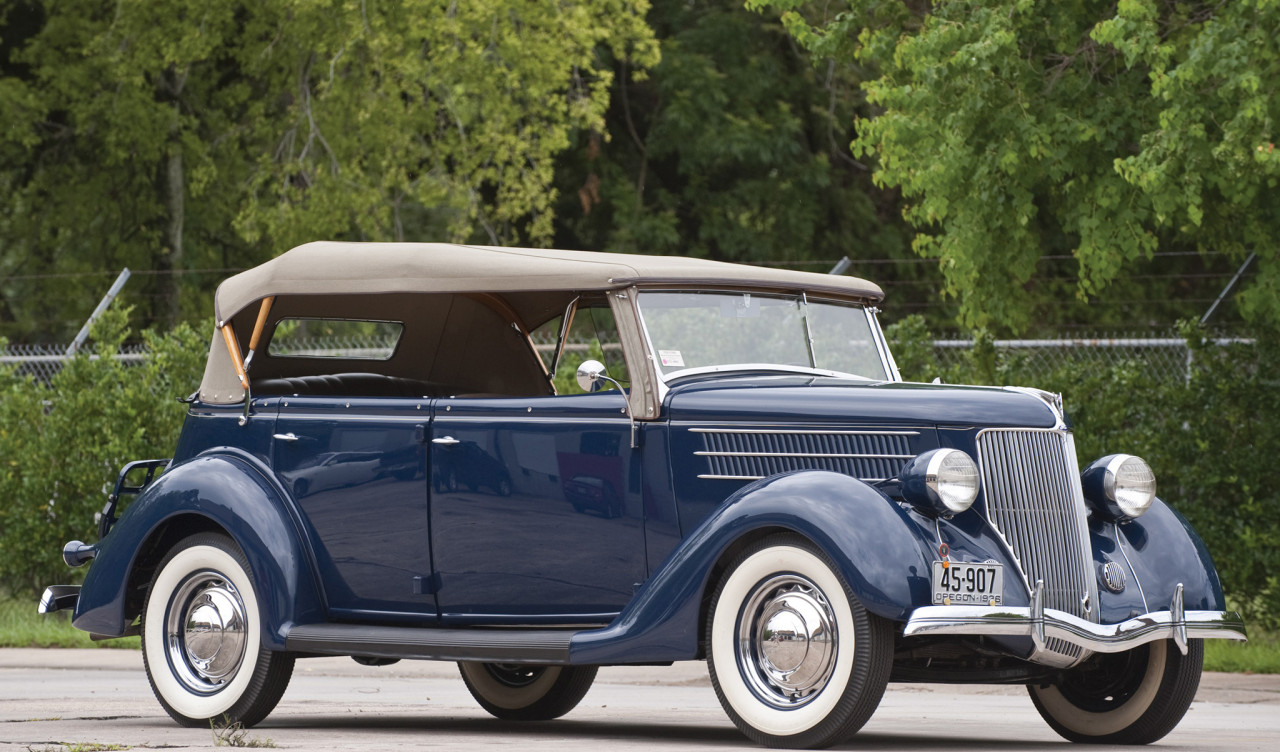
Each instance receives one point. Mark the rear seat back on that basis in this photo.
(347, 385)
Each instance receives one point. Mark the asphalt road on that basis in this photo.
(67, 697)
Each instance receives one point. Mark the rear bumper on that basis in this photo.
(1040, 623)
(59, 598)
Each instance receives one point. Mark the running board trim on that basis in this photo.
(541, 646)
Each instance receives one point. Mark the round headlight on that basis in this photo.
(942, 481)
(1120, 485)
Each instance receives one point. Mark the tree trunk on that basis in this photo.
(175, 195)
(174, 187)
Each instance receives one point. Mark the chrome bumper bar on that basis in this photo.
(1040, 623)
(59, 598)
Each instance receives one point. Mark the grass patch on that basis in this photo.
(226, 734)
(22, 627)
(1260, 655)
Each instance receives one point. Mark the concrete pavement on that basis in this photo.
(56, 698)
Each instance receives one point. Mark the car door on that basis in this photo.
(536, 509)
(357, 470)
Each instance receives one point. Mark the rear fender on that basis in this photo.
(872, 540)
(227, 492)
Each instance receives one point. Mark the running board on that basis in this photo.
(543, 646)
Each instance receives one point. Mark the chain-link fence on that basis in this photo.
(41, 362)
(1163, 356)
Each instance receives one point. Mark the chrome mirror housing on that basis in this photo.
(590, 374)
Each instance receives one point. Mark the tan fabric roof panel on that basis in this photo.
(327, 267)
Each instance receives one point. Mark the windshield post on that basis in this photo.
(808, 333)
(873, 319)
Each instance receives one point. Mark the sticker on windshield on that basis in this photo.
(671, 358)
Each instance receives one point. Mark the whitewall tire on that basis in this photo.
(1135, 697)
(517, 692)
(794, 657)
(202, 637)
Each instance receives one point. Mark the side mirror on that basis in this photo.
(590, 377)
(590, 374)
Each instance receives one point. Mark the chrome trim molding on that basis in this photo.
(807, 454)
(762, 477)
(1041, 624)
(754, 453)
(805, 432)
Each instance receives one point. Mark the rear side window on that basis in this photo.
(340, 339)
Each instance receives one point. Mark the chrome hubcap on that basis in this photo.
(787, 641)
(205, 632)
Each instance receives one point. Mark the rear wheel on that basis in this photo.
(517, 692)
(1134, 697)
(794, 657)
(202, 637)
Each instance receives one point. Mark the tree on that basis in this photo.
(1107, 131)
(733, 147)
(432, 115)
(215, 133)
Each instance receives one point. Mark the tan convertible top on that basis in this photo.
(327, 267)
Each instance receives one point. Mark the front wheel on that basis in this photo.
(516, 692)
(1134, 697)
(202, 637)
(794, 657)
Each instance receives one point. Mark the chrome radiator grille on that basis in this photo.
(751, 454)
(1032, 488)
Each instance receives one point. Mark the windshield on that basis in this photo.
(701, 331)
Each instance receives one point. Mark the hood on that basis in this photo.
(808, 400)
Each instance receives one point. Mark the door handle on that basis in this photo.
(445, 441)
(285, 436)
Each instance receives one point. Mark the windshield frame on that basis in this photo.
(803, 299)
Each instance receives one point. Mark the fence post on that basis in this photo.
(102, 306)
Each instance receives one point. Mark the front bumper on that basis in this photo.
(1041, 623)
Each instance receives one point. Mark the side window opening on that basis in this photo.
(593, 335)
(403, 345)
(339, 339)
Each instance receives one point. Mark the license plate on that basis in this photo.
(964, 584)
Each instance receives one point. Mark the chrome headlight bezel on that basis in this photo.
(1121, 487)
(941, 482)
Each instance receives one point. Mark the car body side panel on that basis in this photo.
(233, 492)
(357, 471)
(537, 509)
(870, 538)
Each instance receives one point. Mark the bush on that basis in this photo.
(61, 443)
(1211, 438)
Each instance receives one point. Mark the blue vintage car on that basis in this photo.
(745, 480)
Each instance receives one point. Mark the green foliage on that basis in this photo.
(59, 444)
(22, 627)
(216, 133)
(1210, 438)
(1105, 131)
(733, 147)
(1260, 655)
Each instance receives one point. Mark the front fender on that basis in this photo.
(1164, 551)
(226, 490)
(870, 539)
